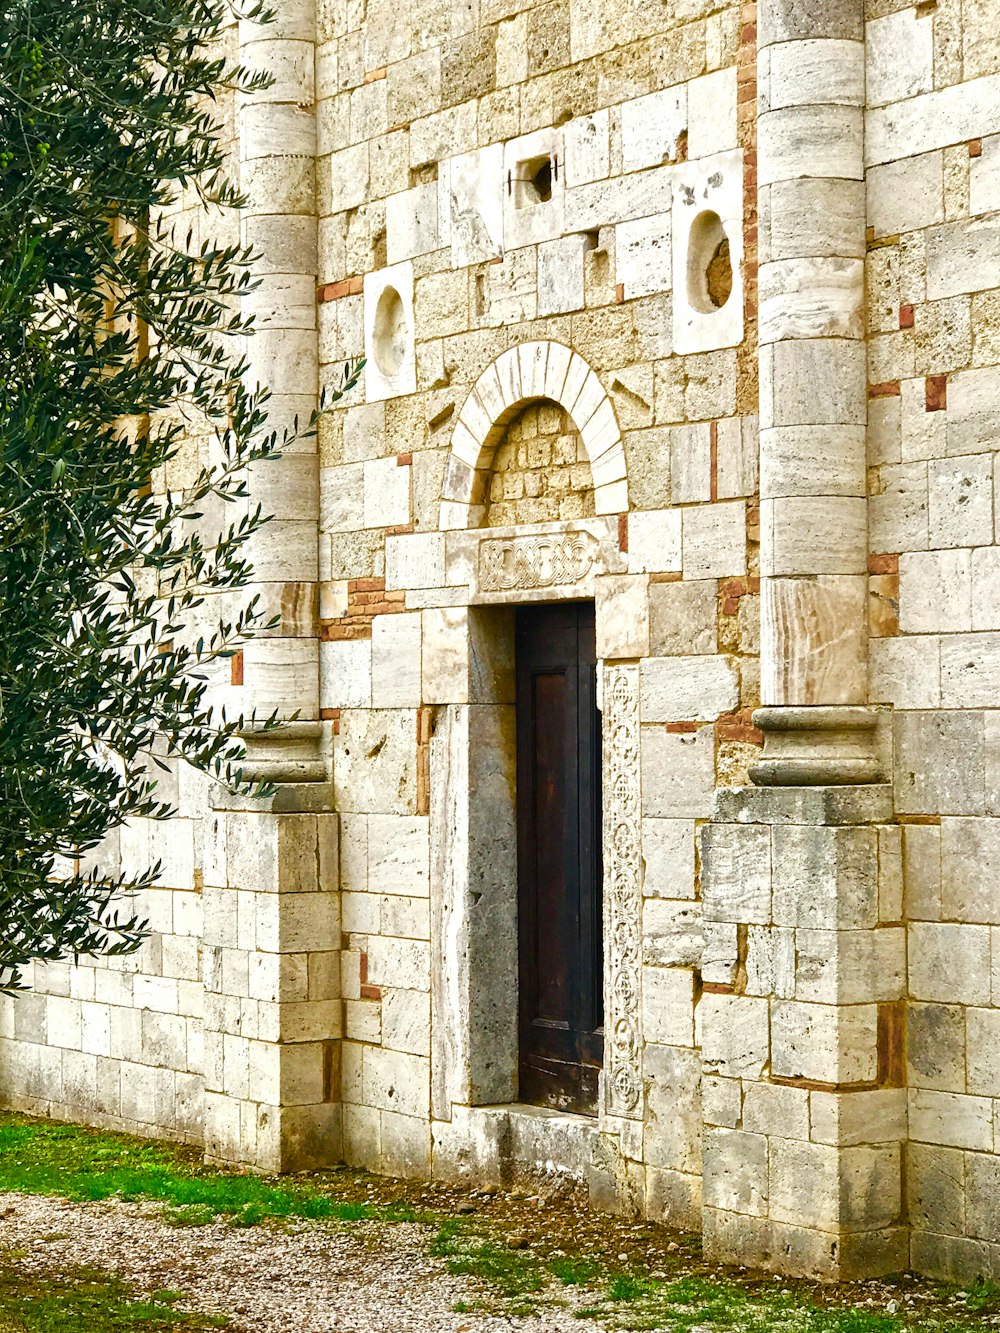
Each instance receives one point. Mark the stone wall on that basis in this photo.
(539, 224)
(933, 172)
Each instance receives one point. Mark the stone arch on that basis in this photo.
(527, 373)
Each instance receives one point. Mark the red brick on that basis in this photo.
(883, 606)
(906, 317)
(738, 726)
(883, 564)
(404, 460)
(682, 728)
(340, 632)
(236, 668)
(890, 389)
(891, 1041)
(336, 291)
(975, 147)
(936, 393)
(620, 293)
(623, 532)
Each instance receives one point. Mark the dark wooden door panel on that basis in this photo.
(559, 857)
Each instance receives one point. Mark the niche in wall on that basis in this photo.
(707, 240)
(534, 180)
(391, 368)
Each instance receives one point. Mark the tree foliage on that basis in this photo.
(118, 339)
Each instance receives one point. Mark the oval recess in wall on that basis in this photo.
(390, 334)
(706, 231)
(709, 268)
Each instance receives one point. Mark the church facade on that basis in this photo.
(639, 830)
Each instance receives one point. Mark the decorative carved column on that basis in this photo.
(272, 909)
(804, 966)
(814, 533)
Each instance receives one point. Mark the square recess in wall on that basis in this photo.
(707, 243)
(534, 188)
(390, 353)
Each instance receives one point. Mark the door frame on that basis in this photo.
(473, 889)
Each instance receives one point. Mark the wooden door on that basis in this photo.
(559, 857)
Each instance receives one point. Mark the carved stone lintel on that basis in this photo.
(541, 562)
(622, 892)
(817, 747)
(514, 563)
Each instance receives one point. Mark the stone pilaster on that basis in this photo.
(272, 905)
(814, 533)
(802, 1030)
(278, 179)
(804, 965)
(271, 973)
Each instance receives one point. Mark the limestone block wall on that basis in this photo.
(539, 224)
(532, 205)
(933, 175)
(120, 1042)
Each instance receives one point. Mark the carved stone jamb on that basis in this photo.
(622, 893)
(278, 177)
(814, 533)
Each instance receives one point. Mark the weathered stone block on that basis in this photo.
(735, 1172)
(735, 1035)
(672, 933)
(949, 963)
(824, 1043)
(736, 872)
(826, 878)
(668, 1005)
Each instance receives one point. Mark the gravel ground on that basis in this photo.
(363, 1277)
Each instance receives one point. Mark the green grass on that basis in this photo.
(512, 1272)
(983, 1298)
(573, 1272)
(515, 1275)
(692, 1302)
(81, 1164)
(85, 1300)
(523, 1282)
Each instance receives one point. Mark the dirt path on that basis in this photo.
(361, 1277)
